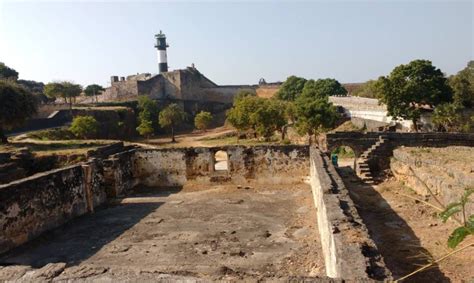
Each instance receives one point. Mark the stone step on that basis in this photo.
(220, 178)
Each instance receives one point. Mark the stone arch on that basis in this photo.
(221, 161)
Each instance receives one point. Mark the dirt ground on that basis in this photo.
(407, 232)
(221, 232)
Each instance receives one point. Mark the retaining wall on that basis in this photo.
(348, 251)
(175, 167)
(445, 172)
(44, 201)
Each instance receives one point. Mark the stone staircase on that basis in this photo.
(363, 168)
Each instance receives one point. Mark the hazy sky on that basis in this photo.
(233, 42)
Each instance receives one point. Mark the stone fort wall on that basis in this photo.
(187, 85)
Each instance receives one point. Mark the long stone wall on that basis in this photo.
(348, 251)
(175, 167)
(33, 205)
(44, 201)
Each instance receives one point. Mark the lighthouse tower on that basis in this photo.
(161, 46)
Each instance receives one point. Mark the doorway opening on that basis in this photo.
(221, 161)
(344, 156)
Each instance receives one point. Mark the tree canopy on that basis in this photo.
(411, 86)
(148, 116)
(463, 86)
(239, 115)
(315, 115)
(84, 127)
(291, 88)
(7, 73)
(16, 105)
(170, 117)
(322, 88)
(262, 116)
(203, 120)
(93, 90)
(66, 90)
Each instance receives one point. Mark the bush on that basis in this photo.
(145, 128)
(84, 127)
(52, 134)
(203, 120)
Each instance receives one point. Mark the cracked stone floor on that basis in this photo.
(218, 232)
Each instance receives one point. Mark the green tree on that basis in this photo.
(16, 105)
(7, 73)
(410, 86)
(93, 90)
(315, 115)
(36, 88)
(148, 116)
(291, 88)
(145, 128)
(170, 117)
(323, 88)
(239, 115)
(463, 86)
(269, 117)
(447, 117)
(66, 90)
(203, 120)
(84, 127)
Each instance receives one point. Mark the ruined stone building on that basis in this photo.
(188, 85)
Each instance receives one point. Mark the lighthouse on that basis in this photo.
(161, 46)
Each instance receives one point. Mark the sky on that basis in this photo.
(233, 42)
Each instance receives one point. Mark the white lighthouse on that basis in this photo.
(161, 46)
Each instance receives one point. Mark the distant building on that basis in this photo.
(186, 85)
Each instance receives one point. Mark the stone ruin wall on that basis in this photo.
(446, 172)
(176, 167)
(45, 201)
(348, 250)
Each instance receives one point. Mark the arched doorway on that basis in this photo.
(221, 161)
(346, 156)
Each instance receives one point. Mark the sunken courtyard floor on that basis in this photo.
(218, 232)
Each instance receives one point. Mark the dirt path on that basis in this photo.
(408, 233)
(219, 233)
(193, 139)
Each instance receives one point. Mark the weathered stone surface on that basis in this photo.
(14, 272)
(47, 272)
(348, 250)
(44, 201)
(263, 164)
(446, 172)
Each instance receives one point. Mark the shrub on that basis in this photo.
(84, 127)
(203, 120)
